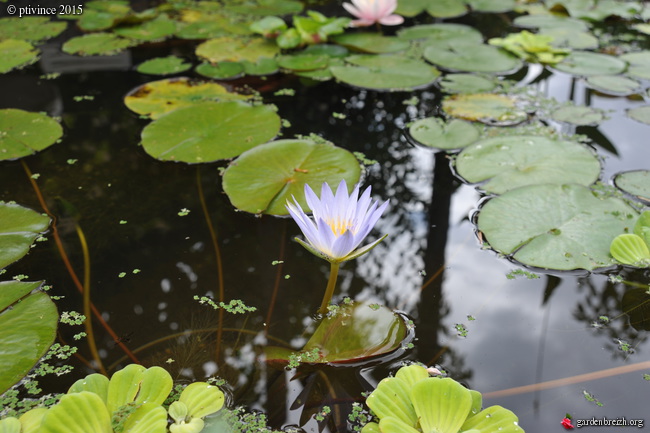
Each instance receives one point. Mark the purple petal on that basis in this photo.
(313, 202)
(343, 245)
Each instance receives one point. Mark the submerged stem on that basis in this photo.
(331, 285)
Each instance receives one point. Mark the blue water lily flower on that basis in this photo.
(341, 222)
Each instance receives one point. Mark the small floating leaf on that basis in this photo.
(164, 66)
(210, 131)
(550, 22)
(640, 114)
(23, 133)
(466, 83)
(630, 249)
(19, 227)
(221, 70)
(511, 162)
(154, 30)
(16, 53)
(95, 44)
(434, 132)
(494, 6)
(446, 8)
(236, 49)
(587, 63)
(578, 115)
(639, 64)
(303, 62)
(30, 28)
(264, 178)
(82, 412)
(559, 227)
(613, 84)
(484, 107)
(636, 183)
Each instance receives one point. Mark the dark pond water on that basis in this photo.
(525, 331)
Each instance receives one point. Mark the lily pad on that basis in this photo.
(236, 49)
(447, 8)
(263, 66)
(354, 333)
(159, 97)
(550, 22)
(559, 227)
(154, 30)
(466, 83)
(570, 37)
(23, 133)
(578, 115)
(303, 62)
(104, 44)
(494, 6)
(336, 51)
(511, 162)
(371, 42)
(385, 72)
(635, 183)
(470, 57)
(442, 32)
(164, 66)
(210, 131)
(639, 64)
(19, 227)
(266, 7)
(434, 132)
(614, 84)
(264, 178)
(15, 53)
(221, 70)
(487, 108)
(30, 28)
(28, 320)
(640, 114)
(586, 63)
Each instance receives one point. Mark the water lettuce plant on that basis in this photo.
(532, 47)
(412, 402)
(315, 28)
(132, 401)
(634, 248)
(341, 222)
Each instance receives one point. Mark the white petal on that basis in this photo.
(312, 201)
(326, 237)
(343, 245)
(391, 20)
(354, 11)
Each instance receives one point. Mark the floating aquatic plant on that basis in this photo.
(341, 222)
(412, 402)
(634, 248)
(531, 47)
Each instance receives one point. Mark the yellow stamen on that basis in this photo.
(339, 227)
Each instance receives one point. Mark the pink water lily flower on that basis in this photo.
(341, 222)
(370, 12)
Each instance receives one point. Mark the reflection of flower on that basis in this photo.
(340, 224)
(566, 423)
(373, 11)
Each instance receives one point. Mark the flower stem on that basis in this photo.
(329, 291)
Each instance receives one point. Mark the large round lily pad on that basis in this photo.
(471, 57)
(559, 227)
(236, 49)
(371, 42)
(15, 53)
(635, 183)
(488, 108)
(493, 6)
(159, 97)
(30, 28)
(210, 131)
(385, 72)
(436, 133)
(96, 44)
(614, 84)
(23, 133)
(446, 8)
(510, 162)
(639, 64)
(27, 329)
(640, 114)
(19, 227)
(442, 32)
(264, 178)
(587, 63)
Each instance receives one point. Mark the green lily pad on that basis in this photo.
(266, 7)
(236, 49)
(303, 62)
(335, 51)
(221, 70)
(569, 37)
(263, 66)
(164, 66)
(470, 57)
(442, 32)
(484, 107)
(356, 332)
(265, 177)
(493, 6)
(411, 8)
(550, 22)
(159, 97)
(614, 84)
(210, 131)
(19, 227)
(15, 53)
(466, 83)
(640, 114)
(447, 8)
(23, 133)
(82, 412)
(586, 63)
(154, 30)
(434, 132)
(371, 42)
(635, 183)
(201, 30)
(511, 162)
(600, 9)
(559, 227)
(27, 329)
(385, 72)
(96, 44)
(639, 64)
(30, 28)
(630, 249)
(578, 115)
